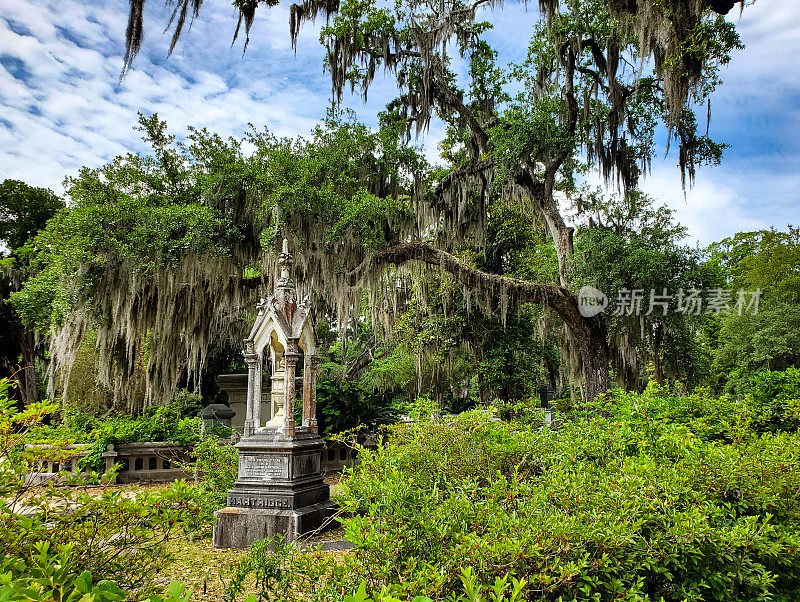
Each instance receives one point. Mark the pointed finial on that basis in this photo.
(285, 262)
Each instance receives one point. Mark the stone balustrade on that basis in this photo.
(337, 455)
(148, 462)
(61, 465)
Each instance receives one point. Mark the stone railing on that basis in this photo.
(152, 462)
(61, 464)
(149, 462)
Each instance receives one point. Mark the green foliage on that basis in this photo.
(776, 399)
(54, 577)
(217, 464)
(176, 422)
(358, 384)
(62, 543)
(533, 131)
(502, 590)
(343, 405)
(658, 496)
(176, 592)
(50, 576)
(767, 261)
(269, 562)
(24, 210)
(630, 243)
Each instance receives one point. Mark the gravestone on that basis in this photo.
(216, 418)
(546, 395)
(279, 488)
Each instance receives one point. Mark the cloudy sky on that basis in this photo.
(62, 105)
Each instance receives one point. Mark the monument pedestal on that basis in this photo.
(279, 490)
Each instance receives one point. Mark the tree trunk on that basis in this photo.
(658, 369)
(28, 390)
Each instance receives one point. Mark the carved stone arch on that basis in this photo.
(285, 327)
(263, 333)
(308, 339)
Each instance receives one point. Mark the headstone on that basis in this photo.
(216, 417)
(279, 488)
(546, 395)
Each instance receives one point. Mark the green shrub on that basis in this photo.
(61, 543)
(53, 576)
(650, 497)
(216, 465)
(776, 399)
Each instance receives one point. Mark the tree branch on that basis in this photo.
(560, 299)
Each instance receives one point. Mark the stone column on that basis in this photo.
(257, 382)
(306, 390)
(249, 423)
(290, 358)
(312, 393)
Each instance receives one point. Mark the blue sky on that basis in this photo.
(62, 106)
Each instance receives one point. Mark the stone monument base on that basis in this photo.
(242, 527)
(279, 489)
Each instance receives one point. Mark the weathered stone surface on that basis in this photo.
(279, 489)
(235, 385)
(240, 528)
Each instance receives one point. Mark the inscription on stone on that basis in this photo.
(266, 467)
(244, 501)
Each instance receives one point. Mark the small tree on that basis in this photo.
(24, 210)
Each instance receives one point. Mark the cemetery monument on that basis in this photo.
(279, 489)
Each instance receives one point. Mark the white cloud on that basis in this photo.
(711, 210)
(62, 106)
(757, 112)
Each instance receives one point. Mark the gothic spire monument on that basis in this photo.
(279, 488)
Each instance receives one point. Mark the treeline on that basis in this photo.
(675, 313)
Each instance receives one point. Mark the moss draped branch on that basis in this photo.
(558, 298)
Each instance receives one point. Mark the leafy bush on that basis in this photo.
(61, 543)
(651, 496)
(630, 504)
(217, 465)
(344, 405)
(776, 399)
(52, 576)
